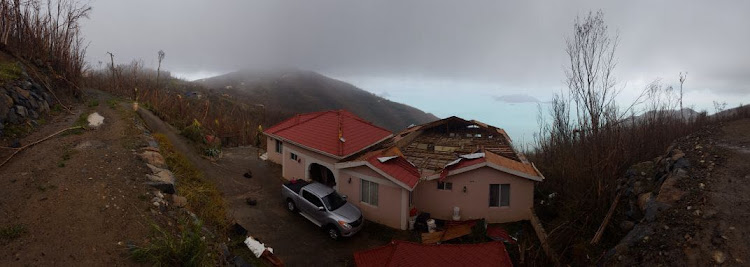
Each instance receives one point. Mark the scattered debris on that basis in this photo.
(95, 120)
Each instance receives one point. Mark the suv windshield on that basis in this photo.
(333, 201)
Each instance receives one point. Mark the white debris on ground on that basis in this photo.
(256, 247)
(264, 156)
(95, 120)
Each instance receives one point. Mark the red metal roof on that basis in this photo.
(398, 168)
(322, 131)
(401, 253)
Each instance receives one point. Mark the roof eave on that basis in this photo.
(491, 165)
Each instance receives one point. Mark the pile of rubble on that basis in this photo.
(664, 203)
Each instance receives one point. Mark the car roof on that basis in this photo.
(318, 189)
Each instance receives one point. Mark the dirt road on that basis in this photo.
(294, 239)
(76, 199)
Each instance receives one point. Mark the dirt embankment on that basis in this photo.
(698, 216)
(76, 199)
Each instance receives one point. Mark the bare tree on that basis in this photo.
(683, 77)
(161, 55)
(590, 79)
(112, 68)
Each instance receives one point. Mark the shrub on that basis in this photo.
(187, 248)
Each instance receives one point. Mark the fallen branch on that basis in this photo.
(599, 232)
(37, 142)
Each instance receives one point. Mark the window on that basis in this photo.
(411, 198)
(278, 146)
(312, 199)
(369, 192)
(445, 186)
(293, 156)
(499, 195)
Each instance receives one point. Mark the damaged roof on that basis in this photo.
(337, 133)
(402, 253)
(433, 145)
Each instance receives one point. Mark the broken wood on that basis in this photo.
(448, 234)
(37, 142)
(604, 224)
(542, 235)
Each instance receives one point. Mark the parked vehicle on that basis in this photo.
(324, 207)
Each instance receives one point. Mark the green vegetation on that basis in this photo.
(9, 71)
(194, 132)
(188, 248)
(67, 154)
(93, 103)
(12, 232)
(112, 103)
(203, 197)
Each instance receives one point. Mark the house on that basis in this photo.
(455, 169)
(401, 253)
(308, 145)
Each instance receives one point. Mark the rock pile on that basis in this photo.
(22, 100)
(650, 188)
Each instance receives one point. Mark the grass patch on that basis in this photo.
(93, 103)
(9, 71)
(112, 103)
(186, 248)
(12, 232)
(204, 199)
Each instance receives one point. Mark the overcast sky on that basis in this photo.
(415, 51)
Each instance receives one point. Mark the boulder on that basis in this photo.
(164, 181)
(153, 158)
(21, 112)
(627, 225)
(20, 95)
(12, 117)
(643, 200)
(669, 193)
(6, 102)
(677, 154)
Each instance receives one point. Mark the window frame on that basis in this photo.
(293, 156)
(279, 146)
(502, 200)
(368, 198)
(446, 186)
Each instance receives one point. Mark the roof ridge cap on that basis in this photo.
(321, 113)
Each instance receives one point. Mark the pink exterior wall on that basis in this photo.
(474, 204)
(291, 169)
(392, 198)
(271, 151)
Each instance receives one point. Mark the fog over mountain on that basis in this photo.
(409, 51)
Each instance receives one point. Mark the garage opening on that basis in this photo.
(321, 174)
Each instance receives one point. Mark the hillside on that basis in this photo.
(285, 93)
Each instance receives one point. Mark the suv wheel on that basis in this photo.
(290, 205)
(333, 232)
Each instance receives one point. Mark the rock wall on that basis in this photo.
(22, 100)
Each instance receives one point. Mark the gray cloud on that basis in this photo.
(516, 98)
(518, 44)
